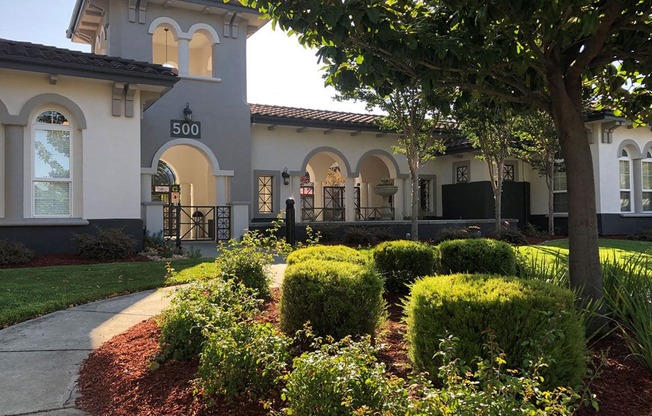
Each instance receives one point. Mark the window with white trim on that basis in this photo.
(559, 190)
(625, 169)
(646, 182)
(52, 165)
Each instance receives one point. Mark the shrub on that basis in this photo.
(338, 379)
(328, 253)
(478, 255)
(337, 298)
(366, 236)
(246, 358)
(12, 253)
(451, 233)
(247, 262)
(524, 315)
(200, 307)
(400, 262)
(513, 236)
(106, 244)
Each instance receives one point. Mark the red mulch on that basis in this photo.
(116, 379)
(45, 260)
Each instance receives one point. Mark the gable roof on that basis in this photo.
(33, 57)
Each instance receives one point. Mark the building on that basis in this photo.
(152, 131)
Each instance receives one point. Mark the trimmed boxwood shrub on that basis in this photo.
(529, 319)
(106, 244)
(338, 298)
(400, 262)
(477, 255)
(12, 253)
(328, 253)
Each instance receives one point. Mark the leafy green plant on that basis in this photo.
(477, 255)
(105, 244)
(400, 262)
(243, 359)
(452, 233)
(512, 236)
(13, 253)
(366, 236)
(529, 319)
(327, 253)
(338, 298)
(199, 309)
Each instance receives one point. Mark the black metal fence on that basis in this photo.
(197, 223)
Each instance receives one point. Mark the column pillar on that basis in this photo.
(318, 197)
(184, 56)
(349, 200)
(221, 187)
(146, 187)
(637, 185)
(398, 199)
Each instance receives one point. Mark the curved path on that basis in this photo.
(40, 359)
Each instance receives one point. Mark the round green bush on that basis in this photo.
(477, 255)
(328, 253)
(400, 262)
(338, 298)
(529, 319)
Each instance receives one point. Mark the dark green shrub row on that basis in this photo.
(197, 310)
(13, 253)
(327, 253)
(245, 358)
(514, 311)
(478, 255)
(338, 298)
(400, 262)
(105, 244)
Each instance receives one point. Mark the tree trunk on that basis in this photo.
(414, 177)
(584, 258)
(551, 200)
(498, 207)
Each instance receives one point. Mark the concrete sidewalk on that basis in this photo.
(40, 359)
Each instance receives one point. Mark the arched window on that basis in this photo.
(646, 182)
(165, 47)
(201, 54)
(52, 165)
(162, 182)
(625, 168)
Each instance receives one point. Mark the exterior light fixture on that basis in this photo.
(187, 113)
(286, 176)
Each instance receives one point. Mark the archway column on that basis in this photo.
(349, 204)
(221, 190)
(637, 182)
(318, 197)
(399, 202)
(184, 56)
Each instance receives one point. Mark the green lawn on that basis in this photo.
(31, 292)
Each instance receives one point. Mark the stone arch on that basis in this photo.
(203, 26)
(386, 157)
(331, 151)
(177, 32)
(45, 99)
(215, 166)
(646, 148)
(632, 148)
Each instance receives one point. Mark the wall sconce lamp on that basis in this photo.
(187, 113)
(286, 176)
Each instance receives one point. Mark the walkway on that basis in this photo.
(40, 359)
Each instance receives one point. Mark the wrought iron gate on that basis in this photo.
(333, 203)
(196, 223)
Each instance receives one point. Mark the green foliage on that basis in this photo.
(628, 296)
(529, 319)
(13, 253)
(338, 379)
(198, 309)
(246, 358)
(366, 236)
(452, 233)
(327, 253)
(338, 298)
(478, 255)
(105, 244)
(400, 262)
(512, 236)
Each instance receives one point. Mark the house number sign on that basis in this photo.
(185, 129)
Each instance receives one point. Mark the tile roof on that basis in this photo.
(272, 114)
(50, 59)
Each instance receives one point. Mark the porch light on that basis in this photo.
(187, 113)
(286, 176)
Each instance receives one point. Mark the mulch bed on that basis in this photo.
(116, 378)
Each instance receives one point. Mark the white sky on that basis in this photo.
(279, 70)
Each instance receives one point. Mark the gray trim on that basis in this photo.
(40, 222)
(276, 193)
(631, 146)
(323, 149)
(375, 152)
(45, 99)
(5, 118)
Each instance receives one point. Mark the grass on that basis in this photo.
(30, 292)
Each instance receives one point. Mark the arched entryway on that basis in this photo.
(324, 195)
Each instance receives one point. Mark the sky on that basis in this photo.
(279, 70)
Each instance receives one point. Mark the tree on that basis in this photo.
(539, 147)
(491, 131)
(540, 53)
(418, 120)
